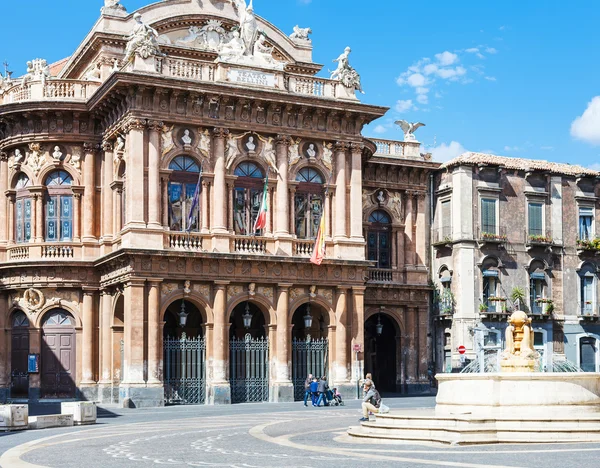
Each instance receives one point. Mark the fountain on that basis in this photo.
(519, 404)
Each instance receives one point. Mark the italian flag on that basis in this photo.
(261, 219)
(319, 250)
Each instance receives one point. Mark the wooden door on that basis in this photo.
(58, 357)
(19, 355)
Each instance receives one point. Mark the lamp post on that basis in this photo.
(308, 317)
(379, 325)
(247, 317)
(183, 315)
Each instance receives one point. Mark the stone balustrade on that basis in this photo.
(18, 253)
(249, 245)
(184, 241)
(57, 251)
(316, 87)
(397, 149)
(303, 248)
(380, 275)
(68, 90)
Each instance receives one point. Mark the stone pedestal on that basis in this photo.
(14, 417)
(282, 392)
(219, 394)
(141, 397)
(83, 412)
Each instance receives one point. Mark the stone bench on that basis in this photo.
(83, 412)
(13, 417)
(50, 420)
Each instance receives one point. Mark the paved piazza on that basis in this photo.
(257, 435)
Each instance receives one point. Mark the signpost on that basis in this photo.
(357, 349)
(462, 349)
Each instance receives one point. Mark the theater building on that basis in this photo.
(133, 173)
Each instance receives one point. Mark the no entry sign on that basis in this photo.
(461, 349)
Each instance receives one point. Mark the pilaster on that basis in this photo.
(219, 196)
(283, 389)
(283, 243)
(89, 196)
(219, 392)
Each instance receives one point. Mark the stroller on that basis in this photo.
(336, 398)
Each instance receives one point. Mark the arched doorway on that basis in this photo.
(310, 345)
(184, 354)
(382, 347)
(248, 354)
(58, 354)
(19, 387)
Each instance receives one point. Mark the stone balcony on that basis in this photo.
(399, 149)
(50, 90)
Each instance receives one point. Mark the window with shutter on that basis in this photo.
(535, 219)
(446, 221)
(488, 216)
(586, 222)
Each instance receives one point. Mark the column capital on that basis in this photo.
(90, 148)
(135, 282)
(3, 156)
(107, 146)
(155, 125)
(285, 286)
(220, 132)
(134, 124)
(221, 284)
(343, 289)
(359, 289)
(282, 139)
(89, 291)
(341, 146)
(356, 147)
(155, 281)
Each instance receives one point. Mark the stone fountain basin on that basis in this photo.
(544, 395)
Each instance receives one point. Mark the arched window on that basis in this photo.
(184, 214)
(308, 203)
(538, 286)
(59, 207)
(20, 320)
(378, 239)
(58, 318)
(23, 210)
(247, 197)
(587, 289)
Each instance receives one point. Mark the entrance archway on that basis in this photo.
(248, 354)
(19, 377)
(382, 358)
(310, 345)
(58, 354)
(184, 354)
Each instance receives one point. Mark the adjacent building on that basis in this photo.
(132, 175)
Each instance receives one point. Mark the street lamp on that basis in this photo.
(183, 315)
(379, 326)
(247, 317)
(308, 318)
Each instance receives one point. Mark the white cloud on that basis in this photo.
(422, 90)
(491, 50)
(444, 152)
(379, 129)
(512, 149)
(472, 50)
(586, 127)
(446, 58)
(405, 105)
(490, 78)
(416, 80)
(430, 68)
(422, 99)
(451, 74)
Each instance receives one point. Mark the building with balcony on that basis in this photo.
(506, 228)
(133, 173)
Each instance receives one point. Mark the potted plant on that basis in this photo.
(518, 294)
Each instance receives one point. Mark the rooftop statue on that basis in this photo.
(112, 5)
(409, 129)
(248, 24)
(301, 34)
(234, 48)
(344, 72)
(37, 70)
(143, 40)
(262, 52)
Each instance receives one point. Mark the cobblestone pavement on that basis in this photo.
(258, 435)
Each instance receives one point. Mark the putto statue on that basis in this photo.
(37, 70)
(301, 34)
(409, 129)
(143, 40)
(344, 72)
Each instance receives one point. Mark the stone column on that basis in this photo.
(89, 196)
(422, 231)
(411, 354)
(219, 199)
(356, 222)
(10, 194)
(409, 246)
(117, 197)
(282, 220)
(5, 342)
(77, 214)
(37, 215)
(107, 195)
(328, 223)
(106, 315)
(340, 191)
(165, 199)
(220, 390)
(3, 203)
(423, 357)
(154, 205)
(342, 361)
(88, 384)
(155, 363)
(358, 331)
(284, 388)
(135, 174)
(204, 207)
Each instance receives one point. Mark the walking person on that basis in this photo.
(371, 400)
(307, 383)
(314, 391)
(323, 387)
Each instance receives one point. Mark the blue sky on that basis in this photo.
(514, 78)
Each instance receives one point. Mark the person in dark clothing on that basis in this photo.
(323, 387)
(314, 391)
(307, 388)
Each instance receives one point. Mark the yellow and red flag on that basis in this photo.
(319, 250)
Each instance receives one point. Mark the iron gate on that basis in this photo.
(184, 362)
(249, 369)
(308, 357)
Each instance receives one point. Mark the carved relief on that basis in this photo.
(327, 157)
(32, 301)
(167, 139)
(266, 291)
(295, 293)
(203, 289)
(327, 294)
(35, 159)
(233, 291)
(168, 288)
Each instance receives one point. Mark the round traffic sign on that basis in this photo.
(462, 349)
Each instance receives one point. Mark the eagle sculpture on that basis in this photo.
(409, 128)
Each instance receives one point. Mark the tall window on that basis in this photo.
(23, 210)
(488, 216)
(446, 221)
(535, 215)
(59, 207)
(247, 197)
(537, 281)
(308, 203)
(490, 286)
(587, 290)
(378, 239)
(588, 352)
(182, 186)
(586, 223)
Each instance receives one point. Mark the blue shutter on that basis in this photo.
(488, 215)
(535, 219)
